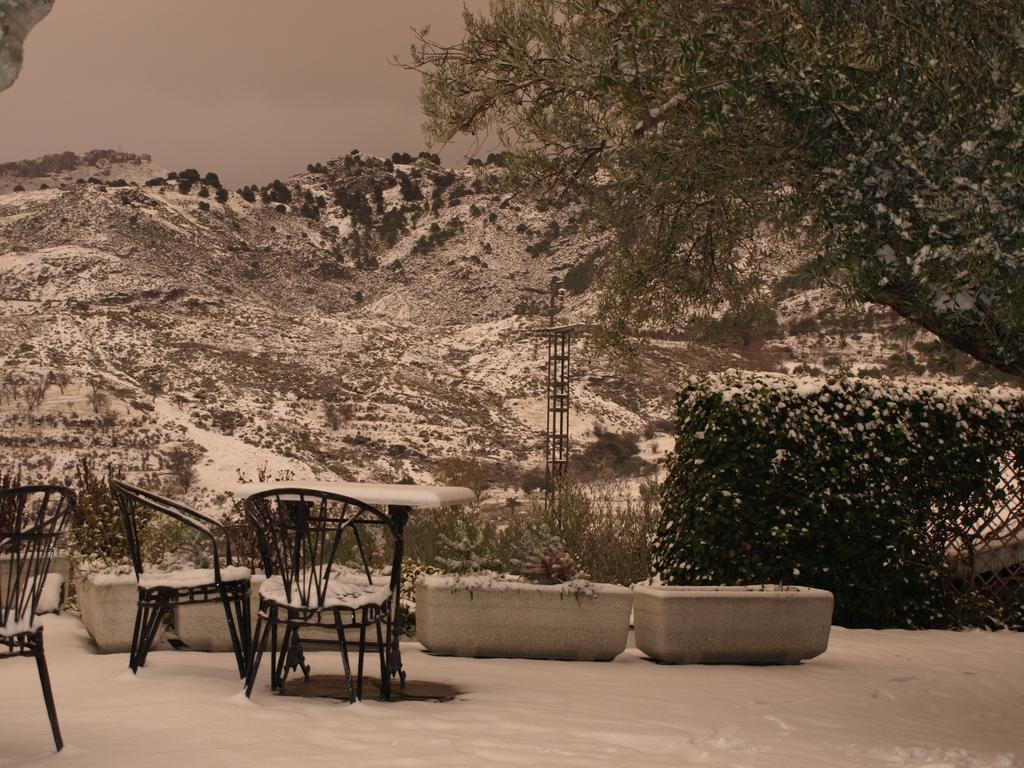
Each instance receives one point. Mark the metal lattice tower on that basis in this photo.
(556, 435)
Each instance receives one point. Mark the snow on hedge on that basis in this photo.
(858, 486)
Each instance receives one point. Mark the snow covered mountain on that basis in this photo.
(367, 319)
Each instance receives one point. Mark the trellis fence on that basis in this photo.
(989, 550)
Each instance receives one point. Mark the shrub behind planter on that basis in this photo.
(861, 487)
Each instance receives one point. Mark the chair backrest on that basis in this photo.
(304, 535)
(32, 518)
(137, 505)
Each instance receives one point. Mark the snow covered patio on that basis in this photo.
(886, 698)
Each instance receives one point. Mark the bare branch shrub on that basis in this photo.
(181, 462)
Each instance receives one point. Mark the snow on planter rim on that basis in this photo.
(503, 583)
(701, 591)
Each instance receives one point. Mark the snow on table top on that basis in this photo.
(373, 493)
(877, 699)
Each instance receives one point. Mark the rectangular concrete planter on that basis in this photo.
(59, 565)
(738, 625)
(483, 617)
(205, 627)
(108, 603)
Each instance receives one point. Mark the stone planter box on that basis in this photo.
(108, 604)
(476, 616)
(60, 566)
(205, 627)
(732, 625)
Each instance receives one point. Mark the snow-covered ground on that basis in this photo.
(876, 698)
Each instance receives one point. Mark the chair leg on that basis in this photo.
(246, 630)
(362, 654)
(273, 649)
(44, 680)
(343, 646)
(280, 672)
(156, 617)
(140, 619)
(259, 643)
(253, 642)
(394, 660)
(385, 677)
(236, 643)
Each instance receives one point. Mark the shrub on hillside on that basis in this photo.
(864, 487)
(533, 480)
(409, 189)
(276, 192)
(464, 471)
(612, 454)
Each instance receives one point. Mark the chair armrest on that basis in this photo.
(185, 515)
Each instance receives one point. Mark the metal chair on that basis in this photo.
(31, 520)
(303, 537)
(160, 591)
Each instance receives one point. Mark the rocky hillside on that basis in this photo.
(100, 166)
(367, 319)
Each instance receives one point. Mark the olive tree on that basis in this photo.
(880, 143)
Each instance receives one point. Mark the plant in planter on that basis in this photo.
(548, 562)
(105, 586)
(105, 583)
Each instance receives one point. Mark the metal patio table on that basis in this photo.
(400, 500)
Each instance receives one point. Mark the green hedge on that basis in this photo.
(858, 486)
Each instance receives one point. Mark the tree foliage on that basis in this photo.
(881, 141)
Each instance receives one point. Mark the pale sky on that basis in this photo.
(252, 89)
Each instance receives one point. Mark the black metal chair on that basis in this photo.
(160, 591)
(32, 518)
(304, 536)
